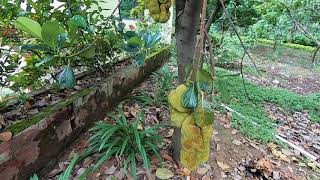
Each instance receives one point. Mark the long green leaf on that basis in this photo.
(105, 157)
(133, 166)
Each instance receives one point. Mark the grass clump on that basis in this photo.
(124, 141)
(258, 125)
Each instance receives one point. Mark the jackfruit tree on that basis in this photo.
(190, 111)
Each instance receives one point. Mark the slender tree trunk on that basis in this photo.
(187, 25)
(315, 55)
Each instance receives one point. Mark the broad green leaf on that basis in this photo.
(164, 173)
(73, 29)
(150, 40)
(140, 59)
(89, 53)
(135, 41)
(67, 78)
(45, 60)
(50, 33)
(203, 116)
(204, 76)
(190, 97)
(30, 26)
(79, 21)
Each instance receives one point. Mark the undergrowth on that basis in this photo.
(164, 78)
(120, 139)
(257, 125)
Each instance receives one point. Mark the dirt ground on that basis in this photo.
(233, 156)
(293, 70)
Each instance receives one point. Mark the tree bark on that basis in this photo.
(315, 55)
(187, 25)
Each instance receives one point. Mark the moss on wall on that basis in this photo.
(22, 125)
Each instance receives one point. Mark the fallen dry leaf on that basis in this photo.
(164, 173)
(206, 178)
(223, 165)
(202, 171)
(83, 144)
(27, 106)
(167, 157)
(2, 122)
(277, 153)
(170, 133)
(185, 172)
(110, 170)
(265, 165)
(5, 136)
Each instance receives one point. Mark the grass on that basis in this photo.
(289, 45)
(258, 125)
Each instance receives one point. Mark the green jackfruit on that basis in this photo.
(159, 9)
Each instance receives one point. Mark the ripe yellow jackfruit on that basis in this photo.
(196, 129)
(177, 117)
(189, 159)
(175, 98)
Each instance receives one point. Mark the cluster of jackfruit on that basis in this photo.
(159, 9)
(196, 129)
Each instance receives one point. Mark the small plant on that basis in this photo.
(34, 177)
(124, 140)
(140, 44)
(164, 80)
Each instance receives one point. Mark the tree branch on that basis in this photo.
(214, 15)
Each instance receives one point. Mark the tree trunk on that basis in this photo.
(187, 25)
(315, 55)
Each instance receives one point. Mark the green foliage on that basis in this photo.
(31, 27)
(190, 97)
(48, 38)
(140, 44)
(34, 177)
(164, 80)
(258, 125)
(138, 11)
(277, 24)
(67, 173)
(67, 78)
(13, 100)
(288, 45)
(124, 140)
(125, 8)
